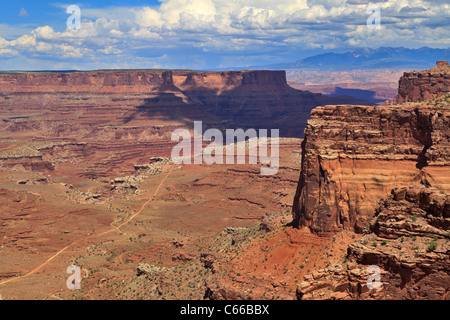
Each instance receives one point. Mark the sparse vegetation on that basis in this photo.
(433, 245)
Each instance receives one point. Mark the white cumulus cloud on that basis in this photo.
(151, 35)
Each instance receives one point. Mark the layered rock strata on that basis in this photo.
(238, 98)
(125, 117)
(405, 255)
(354, 155)
(422, 85)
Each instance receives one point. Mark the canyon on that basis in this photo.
(381, 172)
(86, 179)
(373, 192)
(85, 154)
(375, 85)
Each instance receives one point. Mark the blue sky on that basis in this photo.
(208, 34)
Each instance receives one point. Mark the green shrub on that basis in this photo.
(432, 246)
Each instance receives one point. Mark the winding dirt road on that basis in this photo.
(115, 228)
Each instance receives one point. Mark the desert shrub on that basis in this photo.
(432, 246)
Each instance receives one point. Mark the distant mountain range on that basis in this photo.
(381, 58)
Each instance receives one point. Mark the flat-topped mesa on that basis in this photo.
(229, 80)
(101, 81)
(258, 99)
(262, 77)
(415, 86)
(139, 81)
(354, 155)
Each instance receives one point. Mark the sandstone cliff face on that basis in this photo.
(136, 80)
(125, 116)
(408, 241)
(354, 155)
(414, 86)
(258, 99)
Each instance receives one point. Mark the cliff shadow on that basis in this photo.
(167, 106)
(246, 106)
(355, 93)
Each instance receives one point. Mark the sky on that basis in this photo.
(207, 34)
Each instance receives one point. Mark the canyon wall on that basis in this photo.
(407, 244)
(141, 81)
(124, 117)
(422, 85)
(354, 155)
(248, 99)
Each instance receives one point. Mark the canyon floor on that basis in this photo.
(375, 85)
(164, 222)
(86, 180)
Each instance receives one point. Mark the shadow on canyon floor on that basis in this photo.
(356, 93)
(282, 108)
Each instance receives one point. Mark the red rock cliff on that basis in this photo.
(148, 80)
(408, 242)
(354, 155)
(248, 99)
(414, 86)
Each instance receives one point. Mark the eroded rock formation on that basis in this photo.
(414, 86)
(408, 241)
(354, 155)
(112, 120)
(240, 98)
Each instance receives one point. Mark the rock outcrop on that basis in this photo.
(257, 99)
(422, 85)
(404, 255)
(124, 117)
(354, 155)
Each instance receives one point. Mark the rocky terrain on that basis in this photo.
(421, 85)
(86, 179)
(408, 241)
(111, 120)
(170, 218)
(375, 85)
(354, 155)
(119, 101)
